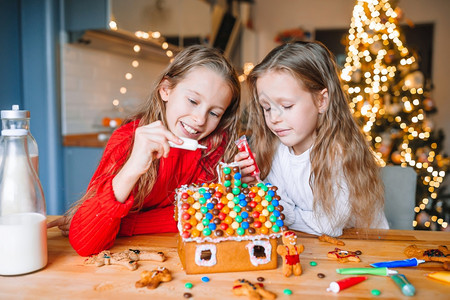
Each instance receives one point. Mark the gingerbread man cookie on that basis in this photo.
(152, 279)
(290, 253)
(331, 240)
(441, 254)
(253, 291)
(344, 255)
(128, 258)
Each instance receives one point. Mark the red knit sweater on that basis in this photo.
(101, 218)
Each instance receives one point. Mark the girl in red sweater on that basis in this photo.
(132, 190)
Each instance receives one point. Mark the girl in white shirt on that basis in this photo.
(307, 143)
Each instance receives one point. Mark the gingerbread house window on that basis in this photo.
(259, 252)
(205, 255)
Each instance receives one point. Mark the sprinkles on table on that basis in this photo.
(230, 208)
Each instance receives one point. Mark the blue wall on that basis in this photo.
(29, 75)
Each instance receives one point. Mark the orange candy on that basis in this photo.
(264, 230)
(259, 207)
(262, 219)
(224, 200)
(191, 211)
(228, 220)
(254, 189)
(220, 189)
(190, 200)
(226, 210)
(257, 199)
(229, 231)
(105, 121)
(195, 233)
(193, 222)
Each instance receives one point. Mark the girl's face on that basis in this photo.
(196, 104)
(290, 111)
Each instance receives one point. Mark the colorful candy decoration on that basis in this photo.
(229, 208)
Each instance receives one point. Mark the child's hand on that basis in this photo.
(150, 142)
(63, 224)
(247, 167)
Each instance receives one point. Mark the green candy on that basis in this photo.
(236, 191)
(240, 231)
(244, 185)
(275, 228)
(227, 183)
(313, 263)
(205, 222)
(237, 209)
(237, 182)
(287, 292)
(375, 292)
(238, 219)
(206, 231)
(201, 191)
(188, 285)
(227, 170)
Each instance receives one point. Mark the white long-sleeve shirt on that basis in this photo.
(291, 173)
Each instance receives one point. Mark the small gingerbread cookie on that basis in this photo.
(290, 252)
(128, 258)
(441, 254)
(152, 279)
(331, 240)
(344, 255)
(256, 291)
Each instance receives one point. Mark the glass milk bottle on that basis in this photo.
(20, 119)
(23, 229)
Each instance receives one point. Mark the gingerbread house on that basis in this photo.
(228, 226)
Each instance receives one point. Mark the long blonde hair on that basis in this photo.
(339, 146)
(154, 109)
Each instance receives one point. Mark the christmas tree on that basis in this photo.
(389, 97)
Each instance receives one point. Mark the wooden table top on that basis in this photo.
(67, 277)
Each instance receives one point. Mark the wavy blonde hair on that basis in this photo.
(339, 146)
(154, 109)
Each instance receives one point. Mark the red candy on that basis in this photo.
(185, 206)
(255, 214)
(257, 224)
(186, 216)
(217, 195)
(253, 204)
(186, 234)
(185, 195)
(220, 205)
(222, 216)
(243, 146)
(223, 226)
(187, 226)
(251, 195)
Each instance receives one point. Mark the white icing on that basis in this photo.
(267, 251)
(198, 254)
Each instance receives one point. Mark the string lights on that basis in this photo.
(387, 96)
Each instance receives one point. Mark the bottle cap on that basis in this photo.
(14, 132)
(15, 113)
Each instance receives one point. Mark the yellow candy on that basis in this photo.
(199, 216)
(231, 204)
(200, 227)
(195, 233)
(261, 193)
(264, 230)
(196, 195)
(230, 231)
(228, 220)
(196, 205)
(230, 196)
(233, 214)
(235, 225)
(265, 212)
(268, 224)
(264, 203)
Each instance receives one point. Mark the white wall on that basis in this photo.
(271, 17)
(91, 80)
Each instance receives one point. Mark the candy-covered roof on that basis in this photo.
(228, 210)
